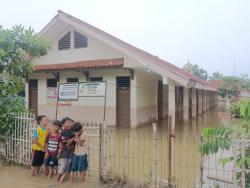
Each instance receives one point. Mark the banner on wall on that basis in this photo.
(68, 92)
(92, 89)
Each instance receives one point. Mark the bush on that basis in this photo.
(235, 110)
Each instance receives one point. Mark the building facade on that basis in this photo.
(141, 88)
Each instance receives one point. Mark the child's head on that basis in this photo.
(42, 120)
(56, 126)
(77, 128)
(67, 123)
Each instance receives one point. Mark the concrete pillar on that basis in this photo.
(199, 101)
(171, 102)
(207, 100)
(133, 103)
(204, 107)
(185, 103)
(194, 109)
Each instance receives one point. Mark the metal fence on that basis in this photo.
(141, 157)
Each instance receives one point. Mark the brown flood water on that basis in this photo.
(137, 163)
(185, 167)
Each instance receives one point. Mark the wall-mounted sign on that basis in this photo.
(92, 89)
(68, 91)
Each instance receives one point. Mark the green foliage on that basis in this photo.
(240, 109)
(216, 76)
(231, 85)
(235, 109)
(10, 103)
(18, 48)
(194, 69)
(219, 139)
(244, 108)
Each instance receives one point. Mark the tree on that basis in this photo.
(18, 48)
(194, 69)
(216, 76)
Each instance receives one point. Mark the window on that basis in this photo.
(70, 80)
(51, 83)
(64, 42)
(95, 79)
(33, 84)
(80, 41)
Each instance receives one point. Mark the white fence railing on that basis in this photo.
(17, 146)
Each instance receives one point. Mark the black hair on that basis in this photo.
(77, 127)
(39, 119)
(57, 123)
(66, 119)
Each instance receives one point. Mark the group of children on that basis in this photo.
(62, 145)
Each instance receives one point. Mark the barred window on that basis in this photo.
(80, 40)
(70, 80)
(51, 83)
(64, 42)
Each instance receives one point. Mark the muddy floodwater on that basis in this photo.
(129, 153)
(20, 177)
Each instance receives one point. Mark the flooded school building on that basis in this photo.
(139, 87)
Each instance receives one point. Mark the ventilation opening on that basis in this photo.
(51, 83)
(70, 80)
(33, 84)
(80, 40)
(95, 79)
(64, 42)
(123, 82)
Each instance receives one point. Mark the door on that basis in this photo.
(123, 101)
(160, 100)
(33, 95)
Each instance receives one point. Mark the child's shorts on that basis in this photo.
(79, 163)
(51, 162)
(38, 158)
(65, 165)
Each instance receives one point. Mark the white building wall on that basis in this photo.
(86, 108)
(95, 50)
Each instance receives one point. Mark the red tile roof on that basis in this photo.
(89, 64)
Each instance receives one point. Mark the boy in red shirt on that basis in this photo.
(53, 145)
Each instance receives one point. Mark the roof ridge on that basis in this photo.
(144, 54)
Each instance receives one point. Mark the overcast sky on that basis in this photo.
(210, 33)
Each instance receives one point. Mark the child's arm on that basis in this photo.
(46, 150)
(60, 148)
(36, 140)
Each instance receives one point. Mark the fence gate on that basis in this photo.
(17, 146)
(94, 133)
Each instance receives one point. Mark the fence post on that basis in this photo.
(154, 165)
(201, 163)
(125, 158)
(103, 134)
(243, 154)
(169, 161)
(234, 150)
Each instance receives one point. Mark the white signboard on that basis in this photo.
(68, 91)
(92, 89)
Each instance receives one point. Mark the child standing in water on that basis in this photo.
(39, 144)
(79, 161)
(53, 145)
